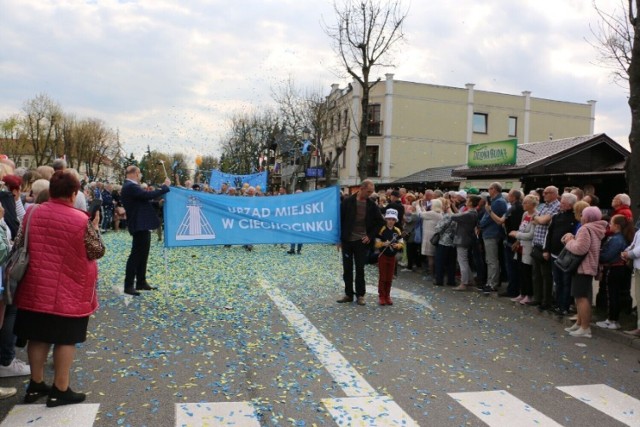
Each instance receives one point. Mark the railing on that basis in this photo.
(375, 128)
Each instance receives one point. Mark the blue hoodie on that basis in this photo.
(491, 229)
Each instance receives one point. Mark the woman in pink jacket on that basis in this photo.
(586, 242)
(58, 291)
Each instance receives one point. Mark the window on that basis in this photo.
(513, 126)
(373, 166)
(375, 125)
(25, 163)
(480, 122)
(339, 121)
(346, 119)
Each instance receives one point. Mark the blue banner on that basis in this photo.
(194, 218)
(218, 178)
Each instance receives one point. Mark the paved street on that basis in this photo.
(256, 338)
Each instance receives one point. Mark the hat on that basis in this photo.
(462, 194)
(391, 213)
(473, 190)
(395, 193)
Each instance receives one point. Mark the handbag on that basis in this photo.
(17, 264)
(536, 253)
(417, 232)
(568, 261)
(435, 239)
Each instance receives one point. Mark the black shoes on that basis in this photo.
(68, 397)
(145, 287)
(291, 252)
(35, 391)
(131, 291)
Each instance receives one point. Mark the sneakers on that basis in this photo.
(344, 299)
(518, 298)
(7, 392)
(68, 397)
(404, 270)
(608, 324)
(461, 287)
(487, 289)
(35, 391)
(634, 332)
(581, 333)
(573, 327)
(526, 300)
(17, 368)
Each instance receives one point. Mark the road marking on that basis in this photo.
(608, 400)
(237, 414)
(80, 415)
(500, 409)
(402, 294)
(369, 405)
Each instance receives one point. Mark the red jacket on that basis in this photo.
(60, 279)
(624, 211)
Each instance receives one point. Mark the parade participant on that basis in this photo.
(141, 218)
(389, 241)
(360, 219)
(57, 294)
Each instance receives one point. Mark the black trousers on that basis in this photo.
(137, 262)
(354, 253)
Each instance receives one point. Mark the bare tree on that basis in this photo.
(363, 38)
(617, 39)
(42, 120)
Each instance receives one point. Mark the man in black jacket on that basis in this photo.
(360, 220)
(141, 218)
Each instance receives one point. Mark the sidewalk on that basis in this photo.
(614, 335)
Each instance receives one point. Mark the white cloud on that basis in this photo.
(169, 73)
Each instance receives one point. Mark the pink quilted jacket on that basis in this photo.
(588, 241)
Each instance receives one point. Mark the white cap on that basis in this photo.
(391, 213)
(462, 194)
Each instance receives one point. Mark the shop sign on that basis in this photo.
(493, 153)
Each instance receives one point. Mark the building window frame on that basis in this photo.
(372, 158)
(374, 113)
(512, 126)
(481, 123)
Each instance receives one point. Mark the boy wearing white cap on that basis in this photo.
(389, 241)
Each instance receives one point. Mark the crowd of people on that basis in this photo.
(466, 239)
(496, 237)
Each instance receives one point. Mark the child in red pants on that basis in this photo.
(389, 241)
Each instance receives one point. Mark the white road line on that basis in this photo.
(612, 402)
(80, 415)
(370, 405)
(402, 294)
(501, 409)
(237, 414)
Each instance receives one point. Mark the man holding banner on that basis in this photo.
(360, 220)
(141, 218)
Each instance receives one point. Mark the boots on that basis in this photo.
(382, 296)
(387, 292)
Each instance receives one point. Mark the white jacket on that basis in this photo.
(634, 251)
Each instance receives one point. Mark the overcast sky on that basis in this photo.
(169, 74)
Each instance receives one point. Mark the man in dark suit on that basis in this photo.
(141, 219)
(360, 220)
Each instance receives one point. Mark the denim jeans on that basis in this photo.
(7, 337)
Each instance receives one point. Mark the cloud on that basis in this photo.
(168, 74)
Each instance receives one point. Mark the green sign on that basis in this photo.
(493, 153)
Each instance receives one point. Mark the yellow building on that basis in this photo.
(414, 126)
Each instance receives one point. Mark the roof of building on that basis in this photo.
(440, 174)
(533, 156)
